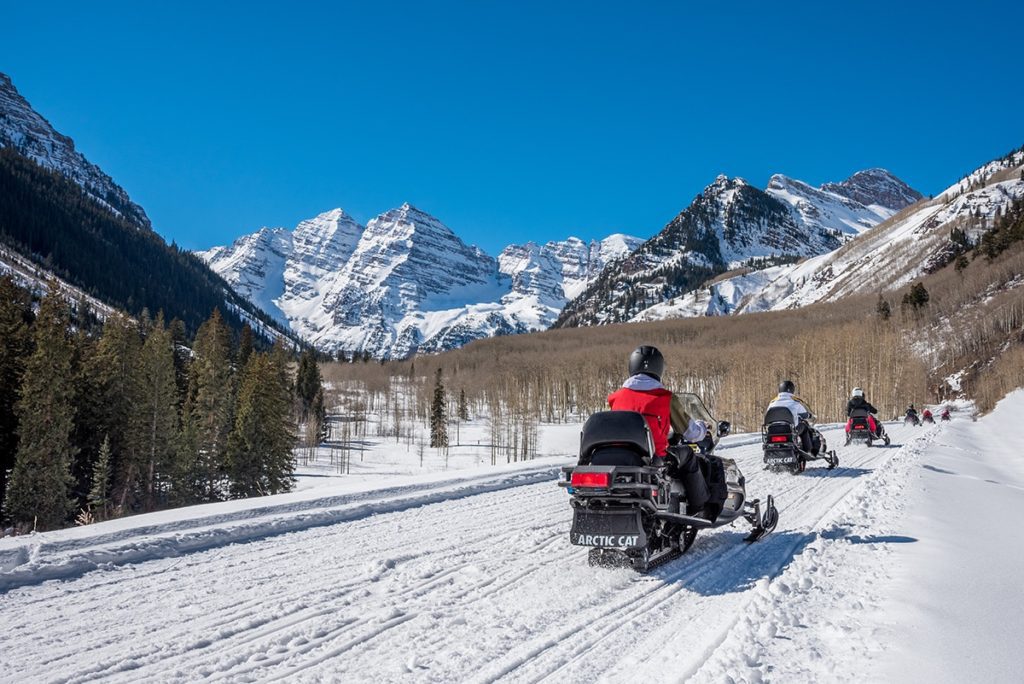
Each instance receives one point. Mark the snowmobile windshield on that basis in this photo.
(696, 409)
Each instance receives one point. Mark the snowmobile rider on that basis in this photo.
(859, 402)
(911, 412)
(809, 439)
(643, 392)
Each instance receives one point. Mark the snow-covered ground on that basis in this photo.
(467, 575)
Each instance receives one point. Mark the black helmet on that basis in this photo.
(787, 386)
(647, 360)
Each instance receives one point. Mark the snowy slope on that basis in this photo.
(732, 223)
(887, 257)
(27, 131)
(405, 282)
(471, 578)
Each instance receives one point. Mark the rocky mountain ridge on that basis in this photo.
(405, 282)
(732, 224)
(24, 129)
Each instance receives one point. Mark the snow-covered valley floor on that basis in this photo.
(469, 576)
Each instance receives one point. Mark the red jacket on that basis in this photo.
(655, 404)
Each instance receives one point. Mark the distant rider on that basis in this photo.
(643, 392)
(912, 415)
(809, 439)
(859, 402)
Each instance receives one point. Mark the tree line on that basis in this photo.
(130, 415)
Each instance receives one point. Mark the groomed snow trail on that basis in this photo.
(460, 586)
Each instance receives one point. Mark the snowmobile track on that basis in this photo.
(467, 585)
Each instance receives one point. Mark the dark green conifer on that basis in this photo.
(38, 494)
(259, 455)
(438, 415)
(207, 417)
(154, 435)
(15, 347)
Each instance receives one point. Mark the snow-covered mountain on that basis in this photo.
(24, 129)
(732, 223)
(888, 257)
(405, 282)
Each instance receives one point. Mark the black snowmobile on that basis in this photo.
(783, 449)
(911, 418)
(858, 428)
(630, 509)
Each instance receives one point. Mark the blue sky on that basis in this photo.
(509, 121)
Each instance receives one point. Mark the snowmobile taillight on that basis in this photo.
(590, 480)
(774, 439)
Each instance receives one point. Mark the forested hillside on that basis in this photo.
(49, 218)
(132, 415)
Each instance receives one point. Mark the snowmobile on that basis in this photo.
(927, 417)
(859, 428)
(945, 415)
(780, 437)
(628, 508)
(911, 419)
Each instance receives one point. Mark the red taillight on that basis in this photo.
(590, 480)
(774, 439)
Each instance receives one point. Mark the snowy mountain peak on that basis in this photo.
(875, 187)
(406, 282)
(731, 224)
(780, 181)
(24, 129)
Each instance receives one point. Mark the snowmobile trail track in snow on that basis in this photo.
(468, 580)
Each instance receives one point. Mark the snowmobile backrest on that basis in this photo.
(621, 429)
(778, 414)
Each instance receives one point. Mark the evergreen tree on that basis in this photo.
(155, 417)
(244, 347)
(39, 487)
(106, 404)
(259, 454)
(207, 417)
(318, 414)
(917, 297)
(883, 309)
(438, 415)
(182, 355)
(15, 347)
(307, 382)
(99, 493)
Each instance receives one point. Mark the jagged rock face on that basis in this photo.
(24, 129)
(875, 187)
(405, 283)
(730, 224)
(559, 270)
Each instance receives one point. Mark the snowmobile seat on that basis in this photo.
(778, 414)
(859, 413)
(616, 438)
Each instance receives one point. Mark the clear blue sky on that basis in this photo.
(509, 120)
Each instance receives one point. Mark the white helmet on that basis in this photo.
(857, 392)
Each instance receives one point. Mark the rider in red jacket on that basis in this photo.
(643, 392)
